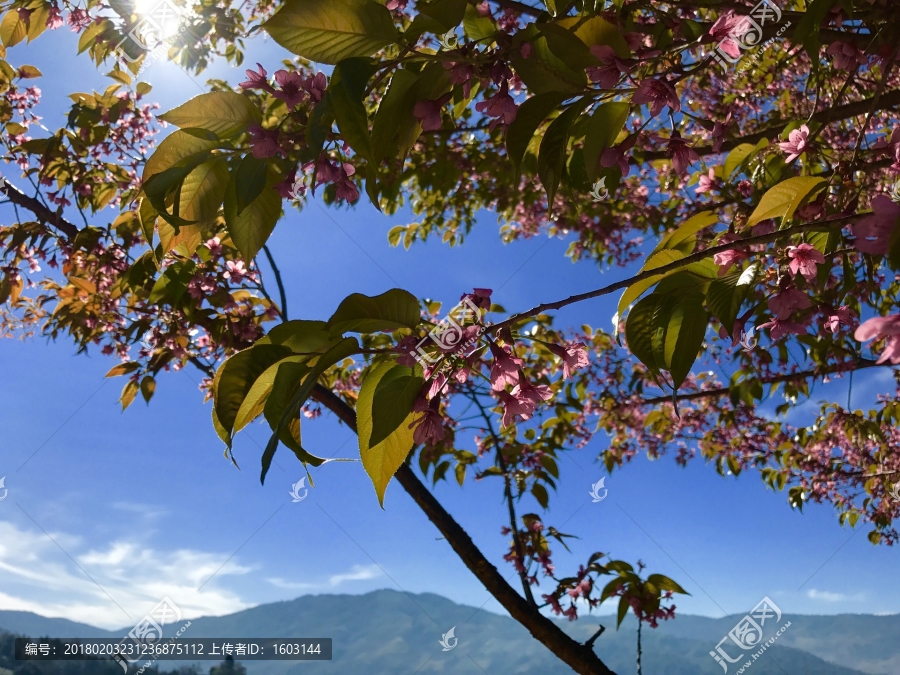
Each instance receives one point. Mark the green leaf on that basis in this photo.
(301, 336)
(684, 332)
(329, 31)
(543, 71)
(807, 29)
(176, 149)
(477, 27)
(160, 186)
(528, 118)
(223, 113)
(381, 460)
(359, 313)
(123, 369)
(540, 493)
(292, 386)
(639, 330)
(235, 377)
(782, 200)
(129, 391)
(622, 611)
(255, 401)
(567, 46)
(319, 125)
(605, 124)
(658, 259)
(397, 99)
(251, 228)
(250, 180)
(148, 387)
(664, 583)
(436, 17)
(393, 400)
(347, 90)
(726, 295)
(552, 155)
(684, 238)
(12, 29)
(598, 31)
(736, 158)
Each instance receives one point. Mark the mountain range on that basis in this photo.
(389, 632)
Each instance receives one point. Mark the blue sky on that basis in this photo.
(107, 512)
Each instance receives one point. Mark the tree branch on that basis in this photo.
(825, 116)
(41, 212)
(513, 520)
(284, 312)
(671, 267)
(787, 377)
(580, 658)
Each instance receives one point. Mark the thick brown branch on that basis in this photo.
(41, 212)
(580, 658)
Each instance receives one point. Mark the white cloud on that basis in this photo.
(356, 573)
(113, 586)
(829, 596)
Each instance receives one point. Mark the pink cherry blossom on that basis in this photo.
(681, 153)
(264, 142)
(846, 56)
(257, 80)
(480, 297)
(429, 428)
(235, 270)
(796, 143)
(658, 93)
(726, 259)
(501, 105)
(505, 368)
(804, 259)
(786, 303)
(873, 233)
(882, 327)
(574, 355)
(292, 91)
(842, 315)
(429, 112)
(707, 182)
(616, 155)
(778, 328)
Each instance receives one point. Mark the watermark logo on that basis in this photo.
(448, 640)
(449, 40)
(748, 341)
(599, 191)
(747, 34)
(895, 191)
(451, 334)
(3, 487)
(295, 490)
(154, 30)
(595, 490)
(748, 634)
(150, 629)
(895, 492)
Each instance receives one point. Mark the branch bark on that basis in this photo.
(579, 657)
(41, 212)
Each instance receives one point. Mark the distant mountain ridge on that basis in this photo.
(390, 633)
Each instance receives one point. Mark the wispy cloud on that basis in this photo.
(356, 573)
(126, 579)
(829, 596)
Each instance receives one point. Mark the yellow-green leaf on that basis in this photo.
(782, 200)
(224, 113)
(329, 31)
(381, 461)
(12, 29)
